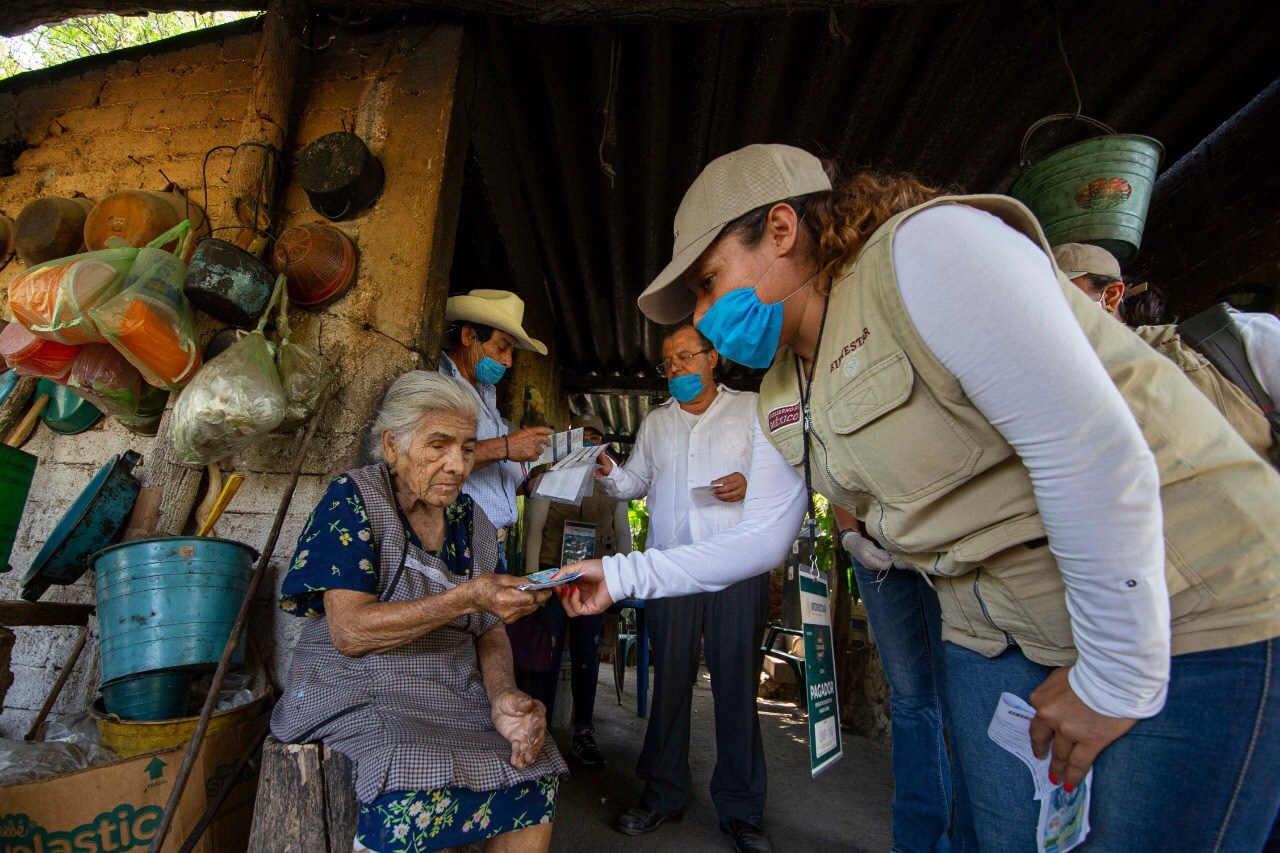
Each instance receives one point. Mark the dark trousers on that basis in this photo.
(584, 655)
(733, 622)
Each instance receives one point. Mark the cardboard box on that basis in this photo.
(116, 808)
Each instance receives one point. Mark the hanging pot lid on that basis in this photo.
(91, 524)
(66, 413)
(340, 175)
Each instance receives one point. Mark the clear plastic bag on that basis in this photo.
(29, 355)
(104, 377)
(52, 300)
(233, 400)
(303, 372)
(149, 321)
(69, 745)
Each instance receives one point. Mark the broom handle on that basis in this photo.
(193, 748)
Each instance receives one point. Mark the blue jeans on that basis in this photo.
(905, 621)
(1202, 775)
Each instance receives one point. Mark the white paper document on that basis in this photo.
(561, 445)
(1064, 816)
(704, 496)
(572, 477)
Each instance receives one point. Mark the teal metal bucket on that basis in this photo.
(16, 471)
(149, 696)
(1097, 191)
(169, 603)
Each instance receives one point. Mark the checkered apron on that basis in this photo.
(415, 717)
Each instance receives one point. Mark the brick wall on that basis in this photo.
(146, 119)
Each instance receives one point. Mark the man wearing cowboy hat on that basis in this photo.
(484, 332)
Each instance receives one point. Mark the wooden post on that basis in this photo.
(266, 122)
(305, 800)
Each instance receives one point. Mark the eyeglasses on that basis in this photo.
(681, 360)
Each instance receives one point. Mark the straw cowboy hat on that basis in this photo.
(500, 309)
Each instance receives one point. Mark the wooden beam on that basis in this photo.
(1214, 223)
(16, 614)
(17, 18)
(266, 122)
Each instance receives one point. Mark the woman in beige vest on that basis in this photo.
(1103, 544)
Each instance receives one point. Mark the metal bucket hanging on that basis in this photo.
(340, 175)
(1096, 191)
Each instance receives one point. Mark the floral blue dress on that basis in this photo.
(336, 551)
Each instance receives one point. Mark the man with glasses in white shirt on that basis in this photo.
(689, 459)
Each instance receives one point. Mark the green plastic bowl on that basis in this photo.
(66, 413)
(160, 695)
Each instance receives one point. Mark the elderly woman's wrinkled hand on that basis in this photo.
(497, 594)
(522, 720)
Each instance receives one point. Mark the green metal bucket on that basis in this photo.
(1097, 191)
(16, 471)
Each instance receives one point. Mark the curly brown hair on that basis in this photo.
(840, 221)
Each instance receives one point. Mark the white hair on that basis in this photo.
(411, 398)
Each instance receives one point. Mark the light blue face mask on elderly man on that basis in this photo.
(489, 371)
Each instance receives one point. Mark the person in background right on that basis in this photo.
(544, 530)
(1096, 272)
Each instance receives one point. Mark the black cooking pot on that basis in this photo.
(227, 282)
(340, 174)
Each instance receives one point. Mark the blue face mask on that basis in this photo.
(489, 371)
(744, 329)
(686, 387)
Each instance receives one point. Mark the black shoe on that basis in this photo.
(584, 749)
(746, 838)
(641, 821)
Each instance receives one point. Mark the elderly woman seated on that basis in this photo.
(404, 665)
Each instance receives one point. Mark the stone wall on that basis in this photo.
(150, 117)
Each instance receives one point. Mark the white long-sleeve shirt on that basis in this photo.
(676, 452)
(985, 301)
(1261, 333)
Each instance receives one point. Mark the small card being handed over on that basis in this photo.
(543, 580)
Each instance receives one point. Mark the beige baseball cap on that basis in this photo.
(1077, 259)
(589, 419)
(729, 186)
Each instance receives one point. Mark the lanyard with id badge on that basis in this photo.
(821, 693)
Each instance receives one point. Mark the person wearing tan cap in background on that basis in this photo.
(937, 379)
(485, 329)
(544, 528)
(1097, 273)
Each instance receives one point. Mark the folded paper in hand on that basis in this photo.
(571, 478)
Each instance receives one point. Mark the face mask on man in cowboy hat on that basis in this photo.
(500, 310)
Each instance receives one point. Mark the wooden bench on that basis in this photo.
(306, 803)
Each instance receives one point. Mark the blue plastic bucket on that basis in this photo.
(169, 603)
(149, 696)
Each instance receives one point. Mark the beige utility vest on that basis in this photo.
(597, 508)
(1241, 412)
(896, 442)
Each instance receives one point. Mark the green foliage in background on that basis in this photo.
(78, 37)
(638, 518)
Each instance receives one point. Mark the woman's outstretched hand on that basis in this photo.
(589, 594)
(522, 720)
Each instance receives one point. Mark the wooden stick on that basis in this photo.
(23, 430)
(228, 783)
(57, 685)
(242, 619)
(16, 403)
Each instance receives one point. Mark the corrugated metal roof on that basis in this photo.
(945, 91)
